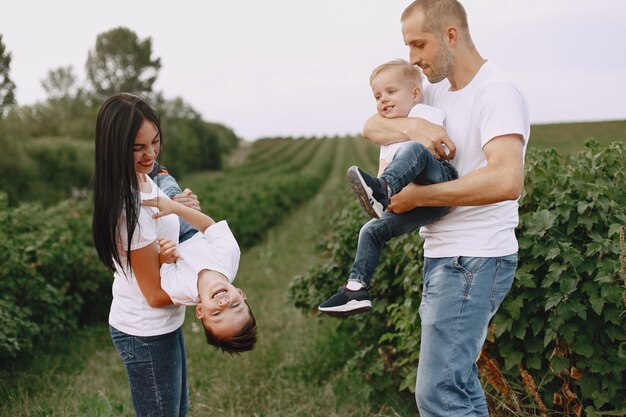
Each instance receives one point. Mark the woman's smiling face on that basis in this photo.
(146, 148)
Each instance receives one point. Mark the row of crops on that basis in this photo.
(51, 280)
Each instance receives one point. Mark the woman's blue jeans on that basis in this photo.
(157, 372)
(412, 163)
(460, 295)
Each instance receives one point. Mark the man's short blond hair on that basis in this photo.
(411, 72)
(438, 14)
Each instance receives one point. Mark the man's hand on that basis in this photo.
(436, 140)
(383, 131)
(405, 199)
(187, 198)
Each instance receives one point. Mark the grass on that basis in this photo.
(296, 369)
(569, 138)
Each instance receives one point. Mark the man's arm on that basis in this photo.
(501, 179)
(384, 131)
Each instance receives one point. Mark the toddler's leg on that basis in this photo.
(167, 183)
(413, 163)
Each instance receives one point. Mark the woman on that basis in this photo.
(145, 326)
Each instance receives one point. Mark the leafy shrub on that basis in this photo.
(51, 279)
(563, 320)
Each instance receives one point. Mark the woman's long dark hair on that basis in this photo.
(115, 186)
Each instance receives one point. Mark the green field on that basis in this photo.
(568, 138)
(279, 196)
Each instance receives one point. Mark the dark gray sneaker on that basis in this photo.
(371, 191)
(346, 302)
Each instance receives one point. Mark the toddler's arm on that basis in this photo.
(167, 251)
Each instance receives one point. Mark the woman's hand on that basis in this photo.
(167, 251)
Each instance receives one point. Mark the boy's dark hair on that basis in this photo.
(241, 342)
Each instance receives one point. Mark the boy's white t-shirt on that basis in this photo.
(130, 312)
(216, 249)
(490, 105)
(424, 111)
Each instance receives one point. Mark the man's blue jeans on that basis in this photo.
(460, 296)
(170, 187)
(157, 372)
(412, 163)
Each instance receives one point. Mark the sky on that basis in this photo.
(301, 68)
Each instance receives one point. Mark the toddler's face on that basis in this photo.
(395, 95)
(223, 310)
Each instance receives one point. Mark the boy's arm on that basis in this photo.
(383, 131)
(195, 218)
(501, 179)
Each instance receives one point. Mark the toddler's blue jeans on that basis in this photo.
(412, 163)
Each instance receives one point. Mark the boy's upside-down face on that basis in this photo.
(223, 309)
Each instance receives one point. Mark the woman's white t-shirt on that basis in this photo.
(130, 312)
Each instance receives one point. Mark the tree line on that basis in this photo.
(45, 144)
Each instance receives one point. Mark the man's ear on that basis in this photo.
(199, 311)
(451, 35)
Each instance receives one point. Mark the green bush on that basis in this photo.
(51, 279)
(563, 320)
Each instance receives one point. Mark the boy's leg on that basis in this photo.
(167, 183)
(413, 163)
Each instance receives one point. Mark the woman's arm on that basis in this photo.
(146, 267)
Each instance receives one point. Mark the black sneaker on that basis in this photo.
(346, 302)
(371, 191)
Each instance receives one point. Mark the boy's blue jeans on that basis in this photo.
(157, 372)
(170, 187)
(412, 163)
(460, 295)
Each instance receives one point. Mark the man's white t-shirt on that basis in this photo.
(430, 113)
(490, 105)
(216, 249)
(130, 312)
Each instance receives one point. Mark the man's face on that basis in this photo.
(427, 50)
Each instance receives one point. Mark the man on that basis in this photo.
(470, 254)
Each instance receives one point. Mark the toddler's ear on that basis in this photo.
(417, 95)
(243, 294)
(199, 311)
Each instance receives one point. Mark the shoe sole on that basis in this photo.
(352, 307)
(364, 193)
